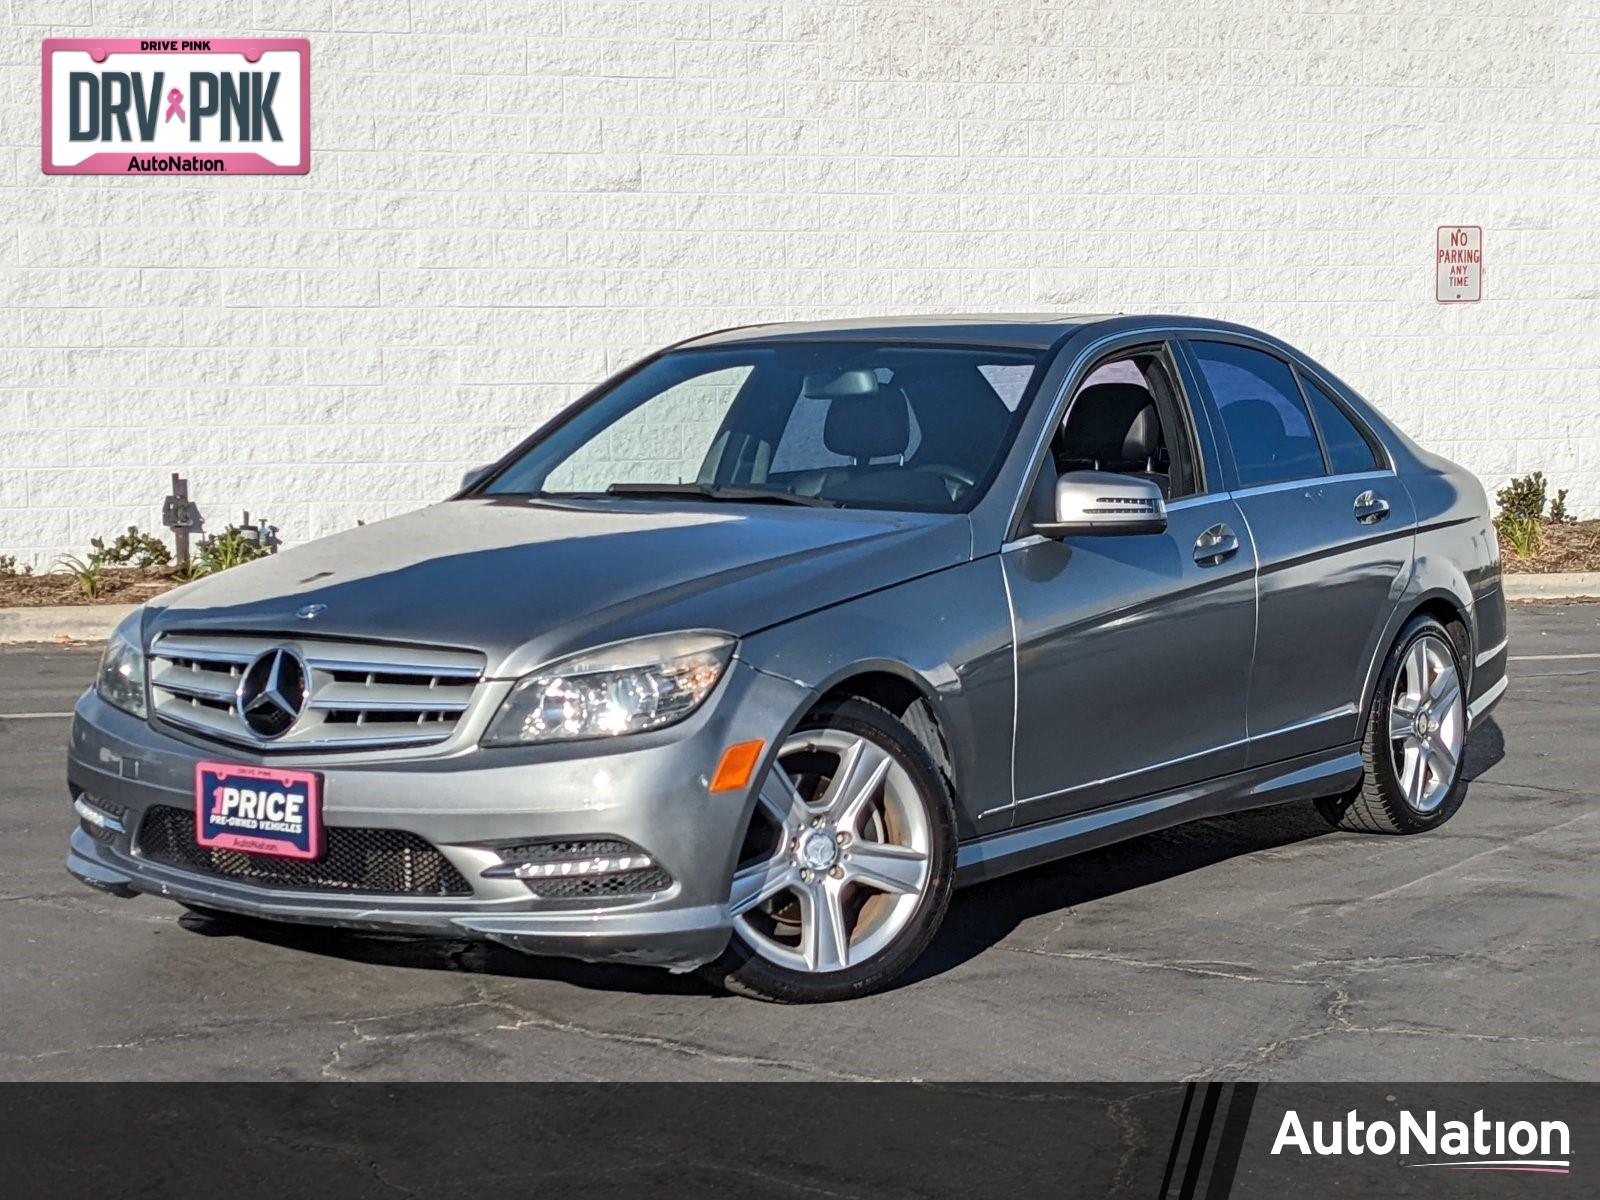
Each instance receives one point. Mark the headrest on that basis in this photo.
(872, 426)
(1112, 423)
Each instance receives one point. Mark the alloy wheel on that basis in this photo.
(1427, 723)
(838, 857)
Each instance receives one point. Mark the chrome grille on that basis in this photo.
(358, 693)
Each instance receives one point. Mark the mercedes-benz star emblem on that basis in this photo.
(272, 691)
(311, 612)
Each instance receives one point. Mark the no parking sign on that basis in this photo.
(1458, 264)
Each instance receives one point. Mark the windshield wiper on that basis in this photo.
(748, 495)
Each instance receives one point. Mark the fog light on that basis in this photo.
(569, 868)
(100, 823)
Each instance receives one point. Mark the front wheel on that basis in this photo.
(1414, 741)
(847, 868)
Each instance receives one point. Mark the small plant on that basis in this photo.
(89, 573)
(132, 548)
(9, 568)
(1522, 519)
(230, 548)
(1526, 534)
(1523, 499)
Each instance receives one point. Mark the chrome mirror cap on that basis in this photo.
(1098, 502)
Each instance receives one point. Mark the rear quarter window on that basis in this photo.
(1349, 451)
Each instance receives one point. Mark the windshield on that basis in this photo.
(832, 423)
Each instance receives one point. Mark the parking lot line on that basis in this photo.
(1546, 657)
(44, 716)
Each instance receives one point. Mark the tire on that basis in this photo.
(850, 852)
(1410, 783)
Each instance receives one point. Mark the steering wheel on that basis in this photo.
(962, 479)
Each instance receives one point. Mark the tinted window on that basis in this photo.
(1348, 450)
(1266, 419)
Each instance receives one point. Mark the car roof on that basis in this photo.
(1034, 331)
(1021, 331)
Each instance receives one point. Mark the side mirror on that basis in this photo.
(474, 475)
(1098, 502)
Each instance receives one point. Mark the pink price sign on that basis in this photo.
(192, 106)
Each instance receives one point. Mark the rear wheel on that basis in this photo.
(846, 870)
(1415, 739)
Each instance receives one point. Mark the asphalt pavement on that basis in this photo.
(1262, 946)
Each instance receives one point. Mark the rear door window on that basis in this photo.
(1268, 427)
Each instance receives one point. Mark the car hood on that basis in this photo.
(527, 581)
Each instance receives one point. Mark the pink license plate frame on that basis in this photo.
(237, 162)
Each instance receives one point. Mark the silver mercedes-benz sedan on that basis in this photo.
(749, 657)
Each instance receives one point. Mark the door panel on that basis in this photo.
(1333, 544)
(1333, 563)
(1133, 659)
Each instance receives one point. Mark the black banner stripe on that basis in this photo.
(1230, 1144)
(1177, 1140)
(1202, 1135)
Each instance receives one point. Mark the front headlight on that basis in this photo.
(626, 687)
(120, 682)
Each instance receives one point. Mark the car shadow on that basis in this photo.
(445, 954)
(1485, 748)
(979, 918)
(985, 914)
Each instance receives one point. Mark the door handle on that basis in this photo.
(1216, 545)
(1371, 508)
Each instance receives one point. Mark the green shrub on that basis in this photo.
(133, 548)
(230, 548)
(1523, 499)
(8, 566)
(1558, 510)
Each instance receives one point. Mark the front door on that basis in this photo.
(1133, 650)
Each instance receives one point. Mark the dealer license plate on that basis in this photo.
(259, 810)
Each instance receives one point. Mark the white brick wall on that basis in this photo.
(509, 199)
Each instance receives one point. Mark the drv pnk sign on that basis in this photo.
(196, 106)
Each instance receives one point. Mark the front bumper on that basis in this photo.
(650, 789)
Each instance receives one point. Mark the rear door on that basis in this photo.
(1133, 650)
(1332, 532)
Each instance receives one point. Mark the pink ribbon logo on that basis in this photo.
(175, 105)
